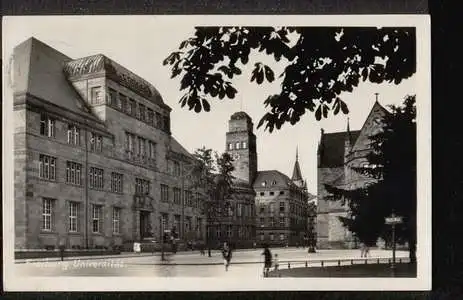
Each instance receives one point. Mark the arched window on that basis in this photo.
(244, 145)
(230, 146)
(237, 145)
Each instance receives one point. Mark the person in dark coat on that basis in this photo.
(227, 254)
(267, 260)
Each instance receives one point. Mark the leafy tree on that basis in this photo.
(321, 63)
(212, 176)
(392, 164)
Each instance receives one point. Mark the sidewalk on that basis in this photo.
(133, 254)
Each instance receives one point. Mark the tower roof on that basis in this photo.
(240, 115)
(297, 175)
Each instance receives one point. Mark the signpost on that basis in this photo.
(393, 220)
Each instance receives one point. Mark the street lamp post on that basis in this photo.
(393, 220)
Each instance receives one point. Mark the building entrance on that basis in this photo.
(145, 224)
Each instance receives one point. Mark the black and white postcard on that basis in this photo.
(151, 153)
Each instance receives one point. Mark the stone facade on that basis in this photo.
(89, 171)
(338, 153)
(279, 204)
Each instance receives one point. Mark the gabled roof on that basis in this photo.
(38, 71)
(376, 110)
(331, 148)
(271, 178)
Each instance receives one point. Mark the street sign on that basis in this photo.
(394, 220)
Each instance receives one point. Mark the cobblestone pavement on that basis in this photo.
(191, 264)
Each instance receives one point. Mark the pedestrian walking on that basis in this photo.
(226, 253)
(275, 262)
(362, 249)
(367, 251)
(267, 260)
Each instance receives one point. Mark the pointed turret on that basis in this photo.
(297, 175)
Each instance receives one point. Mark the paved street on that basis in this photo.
(247, 263)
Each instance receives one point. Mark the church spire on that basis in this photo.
(297, 175)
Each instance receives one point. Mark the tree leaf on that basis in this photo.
(344, 108)
(206, 105)
(269, 74)
(318, 113)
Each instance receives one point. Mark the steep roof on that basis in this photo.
(100, 63)
(38, 71)
(178, 148)
(331, 148)
(271, 178)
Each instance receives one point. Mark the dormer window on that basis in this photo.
(244, 145)
(264, 183)
(274, 182)
(95, 93)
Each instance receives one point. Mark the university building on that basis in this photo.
(338, 154)
(96, 164)
(275, 205)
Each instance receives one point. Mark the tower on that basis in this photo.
(297, 175)
(241, 145)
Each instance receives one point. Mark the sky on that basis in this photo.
(141, 44)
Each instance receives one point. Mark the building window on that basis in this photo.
(150, 116)
(141, 112)
(177, 196)
(282, 222)
(230, 146)
(177, 223)
(176, 168)
(218, 232)
(116, 220)
(95, 93)
(116, 182)
(262, 236)
(262, 209)
(166, 123)
(47, 167)
(164, 220)
(282, 236)
(132, 107)
(187, 224)
(272, 222)
(229, 231)
(73, 135)
(272, 237)
(237, 145)
(152, 150)
(96, 178)
(272, 193)
(262, 221)
(112, 98)
(282, 192)
(123, 102)
(97, 211)
(244, 145)
(47, 126)
(47, 214)
(73, 173)
(129, 142)
(142, 147)
(158, 120)
(96, 142)
(282, 207)
(73, 215)
(164, 193)
(262, 193)
(142, 186)
(188, 198)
